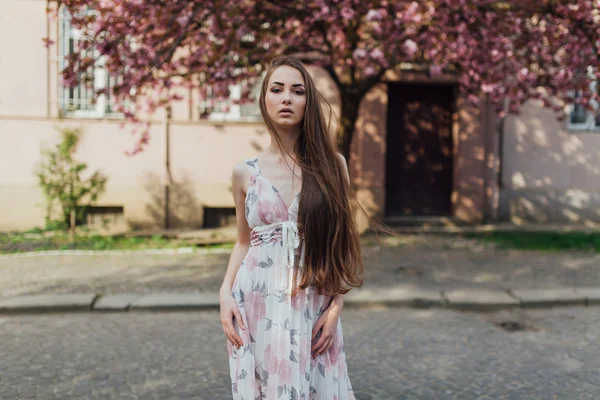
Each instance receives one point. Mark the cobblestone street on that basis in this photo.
(427, 261)
(392, 354)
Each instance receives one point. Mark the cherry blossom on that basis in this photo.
(507, 49)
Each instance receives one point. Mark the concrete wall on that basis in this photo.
(549, 174)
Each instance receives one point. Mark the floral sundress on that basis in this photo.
(275, 360)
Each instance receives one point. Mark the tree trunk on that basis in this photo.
(73, 222)
(349, 115)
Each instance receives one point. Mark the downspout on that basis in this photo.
(48, 104)
(168, 166)
(485, 214)
(493, 163)
(501, 124)
(500, 128)
(57, 59)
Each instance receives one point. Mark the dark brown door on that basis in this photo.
(419, 150)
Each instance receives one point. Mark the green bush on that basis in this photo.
(60, 178)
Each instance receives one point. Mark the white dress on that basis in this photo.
(275, 361)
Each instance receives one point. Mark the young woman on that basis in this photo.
(297, 252)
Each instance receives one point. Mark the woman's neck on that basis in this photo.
(289, 137)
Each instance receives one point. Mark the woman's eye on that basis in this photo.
(300, 92)
(275, 90)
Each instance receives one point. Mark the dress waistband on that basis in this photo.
(283, 231)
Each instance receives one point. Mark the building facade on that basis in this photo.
(418, 152)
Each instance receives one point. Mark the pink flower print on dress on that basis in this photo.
(298, 300)
(270, 361)
(256, 309)
(284, 371)
(278, 359)
(302, 357)
(276, 366)
(270, 205)
(272, 211)
(251, 261)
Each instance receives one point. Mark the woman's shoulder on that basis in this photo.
(241, 175)
(243, 168)
(342, 160)
(344, 164)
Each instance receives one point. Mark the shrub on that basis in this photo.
(60, 178)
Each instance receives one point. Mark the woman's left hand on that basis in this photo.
(328, 321)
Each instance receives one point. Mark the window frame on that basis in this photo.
(236, 112)
(89, 104)
(592, 120)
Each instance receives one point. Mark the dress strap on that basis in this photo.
(253, 167)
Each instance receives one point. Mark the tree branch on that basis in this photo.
(184, 33)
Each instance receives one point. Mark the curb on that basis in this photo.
(468, 299)
(179, 250)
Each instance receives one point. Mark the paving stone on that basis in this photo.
(403, 295)
(548, 297)
(479, 299)
(392, 354)
(592, 295)
(176, 301)
(47, 302)
(115, 302)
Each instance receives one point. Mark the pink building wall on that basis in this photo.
(541, 158)
(550, 173)
(202, 153)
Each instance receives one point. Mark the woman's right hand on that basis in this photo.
(229, 311)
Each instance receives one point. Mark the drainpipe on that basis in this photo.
(498, 169)
(48, 105)
(493, 155)
(486, 151)
(501, 127)
(168, 165)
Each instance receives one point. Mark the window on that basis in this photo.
(580, 118)
(81, 100)
(231, 109)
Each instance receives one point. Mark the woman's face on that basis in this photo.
(285, 98)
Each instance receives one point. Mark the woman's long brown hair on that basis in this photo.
(332, 258)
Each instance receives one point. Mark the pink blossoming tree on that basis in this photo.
(510, 50)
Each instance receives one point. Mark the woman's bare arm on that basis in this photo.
(242, 243)
(229, 307)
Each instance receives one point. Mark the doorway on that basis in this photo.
(419, 156)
